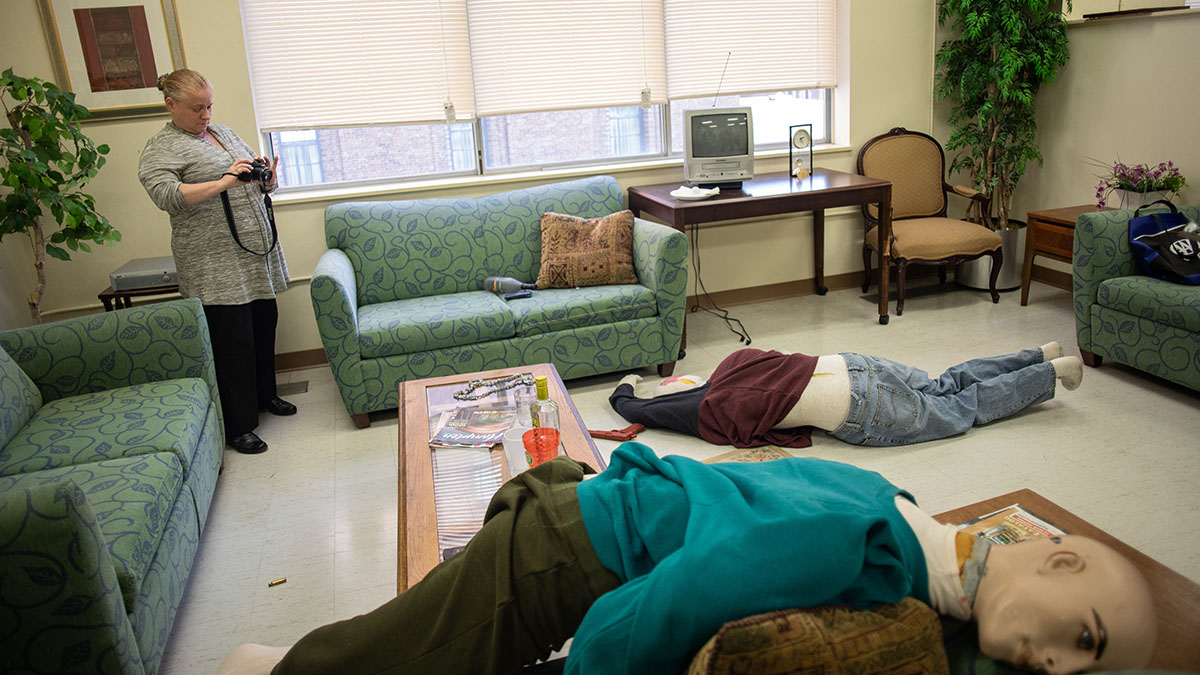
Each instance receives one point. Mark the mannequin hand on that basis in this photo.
(631, 380)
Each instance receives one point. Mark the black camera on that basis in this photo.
(259, 171)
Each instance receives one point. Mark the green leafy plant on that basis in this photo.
(991, 71)
(47, 160)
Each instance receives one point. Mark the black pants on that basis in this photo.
(243, 340)
(517, 591)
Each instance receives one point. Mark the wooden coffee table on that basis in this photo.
(1176, 597)
(463, 480)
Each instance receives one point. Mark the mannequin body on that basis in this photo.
(636, 582)
(757, 398)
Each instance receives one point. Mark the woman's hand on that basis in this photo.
(274, 164)
(194, 193)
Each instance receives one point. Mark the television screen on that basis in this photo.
(720, 135)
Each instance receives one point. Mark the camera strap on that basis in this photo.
(233, 229)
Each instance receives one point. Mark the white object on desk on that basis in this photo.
(690, 194)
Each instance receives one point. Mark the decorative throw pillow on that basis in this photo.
(586, 252)
(903, 639)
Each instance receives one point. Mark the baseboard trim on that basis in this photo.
(309, 358)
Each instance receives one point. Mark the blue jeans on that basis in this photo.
(895, 404)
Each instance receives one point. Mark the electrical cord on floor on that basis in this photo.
(738, 330)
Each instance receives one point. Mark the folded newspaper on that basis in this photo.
(1010, 525)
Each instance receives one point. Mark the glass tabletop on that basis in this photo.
(464, 479)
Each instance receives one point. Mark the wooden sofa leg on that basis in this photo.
(666, 369)
(1091, 359)
(361, 420)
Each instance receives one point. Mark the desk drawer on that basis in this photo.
(1053, 239)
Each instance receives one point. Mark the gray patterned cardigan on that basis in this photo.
(210, 264)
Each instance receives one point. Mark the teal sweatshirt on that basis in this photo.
(697, 545)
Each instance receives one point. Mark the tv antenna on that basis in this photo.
(722, 80)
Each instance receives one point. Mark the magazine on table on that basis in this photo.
(1011, 524)
(476, 426)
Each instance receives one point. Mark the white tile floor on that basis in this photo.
(319, 508)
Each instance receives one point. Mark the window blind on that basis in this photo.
(537, 55)
(774, 45)
(325, 63)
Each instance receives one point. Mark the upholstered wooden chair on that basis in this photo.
(921, 233)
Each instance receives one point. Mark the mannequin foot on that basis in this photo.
(248, 444)
(1069, 370)
(251, 659)
(1051, 351)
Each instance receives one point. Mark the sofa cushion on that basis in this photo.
(433, 322)
(19, 398)
(409, 249)
(141, 419)
(553, 310)
(512, 220)
(586, 251)
(902, 638)
(1159, 301)
(131, 498)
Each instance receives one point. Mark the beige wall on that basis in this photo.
(890, 53)
(1105, 105)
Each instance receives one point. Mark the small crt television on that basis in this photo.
(718, 147)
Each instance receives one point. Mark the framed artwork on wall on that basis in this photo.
(111, 52)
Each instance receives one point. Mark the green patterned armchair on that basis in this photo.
(1136, 320)
(110, 444)
(397, 296)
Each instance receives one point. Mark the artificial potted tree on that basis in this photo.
(47, 159)
(1000, 54)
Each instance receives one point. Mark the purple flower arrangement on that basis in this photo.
(1139, 178)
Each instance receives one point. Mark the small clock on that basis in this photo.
(801, 136)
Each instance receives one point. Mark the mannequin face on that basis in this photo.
(678, 383)
(1074, 606)
(193, 112)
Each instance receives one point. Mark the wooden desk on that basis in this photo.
(775, 193)
(124, 299)
(1049, 233)
(1175, 596)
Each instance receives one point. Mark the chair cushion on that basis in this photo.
(131, 498)
(586, 251)
(19, 398)
(937, 238)
(1159, 301)
(433, 322)
(560, 309)
(902, 638)
(141, 419)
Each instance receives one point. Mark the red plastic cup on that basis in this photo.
(541, 445)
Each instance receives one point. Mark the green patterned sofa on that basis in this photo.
(1136, 320)
(110, 444)
(397, 294)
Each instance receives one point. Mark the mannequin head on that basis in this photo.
(1064, 605)
(678, 383)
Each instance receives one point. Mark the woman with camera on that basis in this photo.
(225, 244)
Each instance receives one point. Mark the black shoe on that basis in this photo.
(278, 406)
(248, 444)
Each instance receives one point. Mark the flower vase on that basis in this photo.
(1128, 199)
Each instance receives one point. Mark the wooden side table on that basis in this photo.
(1050, 233)
(124, 299)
